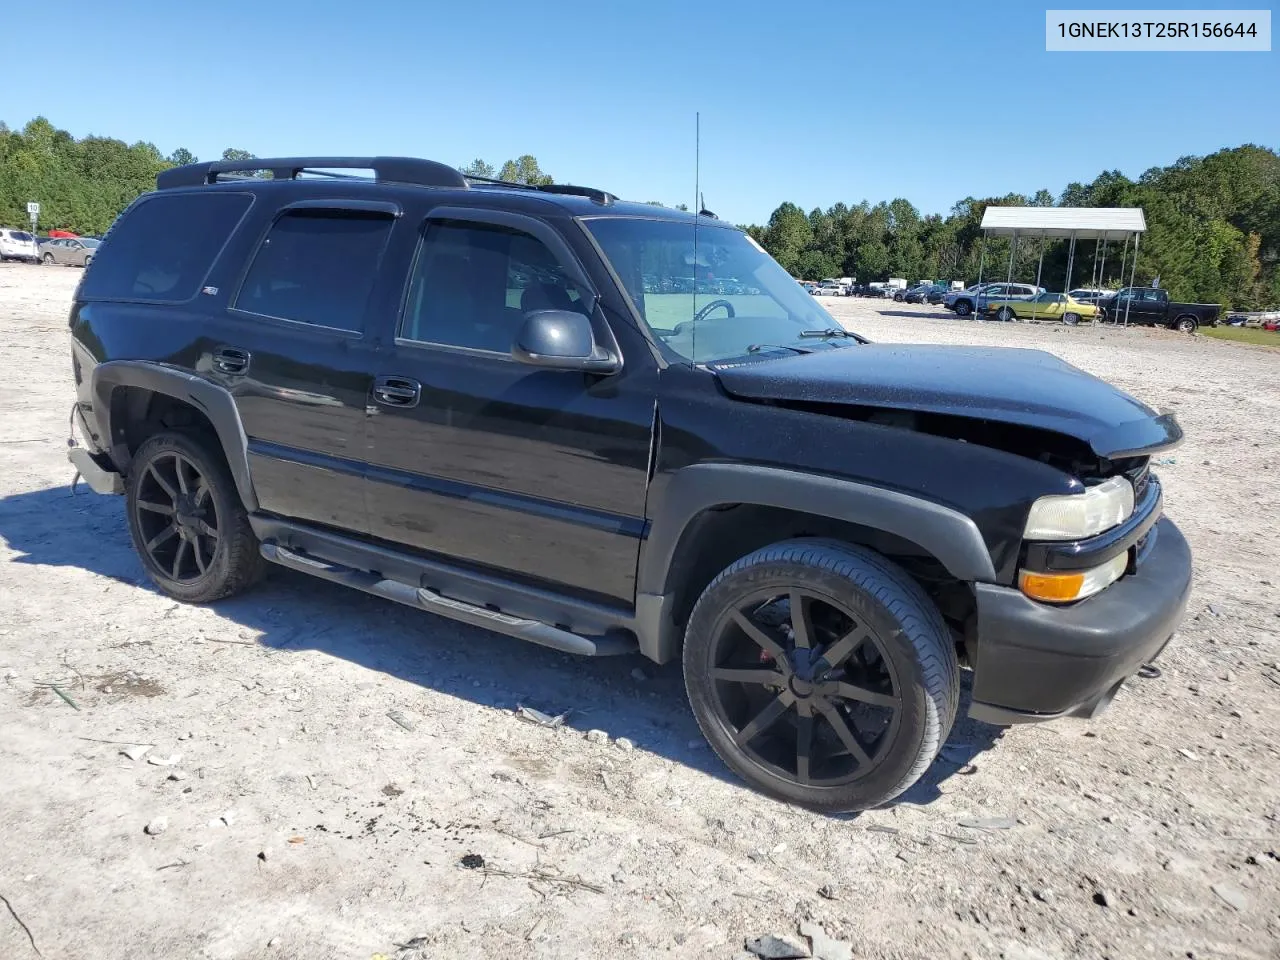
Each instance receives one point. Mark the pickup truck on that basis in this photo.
(1152, 306)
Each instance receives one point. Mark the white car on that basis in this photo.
(829, 290)
(18, 245)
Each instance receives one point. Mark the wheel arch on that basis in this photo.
(709, 515)
(125, 394)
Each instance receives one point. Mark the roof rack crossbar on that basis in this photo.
(411, 170)
(599, 196)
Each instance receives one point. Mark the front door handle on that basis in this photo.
(232, 360)
(397, 391)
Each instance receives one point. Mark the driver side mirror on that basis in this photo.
(561, 340)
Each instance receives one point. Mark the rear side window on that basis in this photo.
(163, 248)
(317, 267)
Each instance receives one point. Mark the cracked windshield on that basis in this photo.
(726, 298)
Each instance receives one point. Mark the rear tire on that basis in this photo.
(1006, 315)
(842, 710)
(1071, 319)
(187, 521)
(1186, 325)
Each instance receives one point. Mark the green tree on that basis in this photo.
(477, 168)
(524, 169)
(182, 156)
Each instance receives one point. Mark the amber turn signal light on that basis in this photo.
(1051, 587)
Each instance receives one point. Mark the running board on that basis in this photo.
(434, 602)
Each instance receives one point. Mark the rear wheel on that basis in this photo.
(1006, 314)
(1071, 319)
(1186, 325)
(187, 522)
(821, 673)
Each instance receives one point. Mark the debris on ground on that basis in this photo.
(1188, 754)
(170, 761)
(1230, 896)
(1103, 898)
(597, 736)
(400, 720)
(829, 892)
(136, 753)
(823, 946)
(156, 827)
(776, 946)
(989, 823)
(472, 861)
(530, 715)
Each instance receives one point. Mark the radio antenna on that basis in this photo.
(697, 192)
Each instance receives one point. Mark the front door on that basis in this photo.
(532, 473)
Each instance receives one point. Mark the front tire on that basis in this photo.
(187, 521)
(821, 674)
(963, 308)
(47, 259)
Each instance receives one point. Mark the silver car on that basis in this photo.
(69, 251)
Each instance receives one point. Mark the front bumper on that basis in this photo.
(1037, 662)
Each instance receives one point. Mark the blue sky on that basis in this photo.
(813, 102)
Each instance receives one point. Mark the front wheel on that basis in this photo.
(821, 674)
(187, 521)
(963, 308)
(1186, 325)
(47, 259)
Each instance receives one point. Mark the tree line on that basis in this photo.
(1213, 223)
(1213, 235)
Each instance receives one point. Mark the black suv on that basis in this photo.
(472, 398)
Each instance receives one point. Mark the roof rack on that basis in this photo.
(591, 193)
(411, 170)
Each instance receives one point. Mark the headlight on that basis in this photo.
(1078, 515)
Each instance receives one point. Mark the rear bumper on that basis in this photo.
(1038, 662)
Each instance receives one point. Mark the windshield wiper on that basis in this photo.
(828, 333)
(757, 347)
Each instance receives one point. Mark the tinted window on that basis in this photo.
(473, 283)
(317, 266)
(162, 248)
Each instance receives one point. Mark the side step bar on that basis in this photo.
(435, 602)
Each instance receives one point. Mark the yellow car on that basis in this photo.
(1046, 306)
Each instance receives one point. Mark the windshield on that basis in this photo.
(730, 300)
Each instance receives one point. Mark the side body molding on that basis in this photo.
(212, 400)
(948, 534)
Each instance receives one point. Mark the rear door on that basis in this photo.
(533, 473)
(297, 355)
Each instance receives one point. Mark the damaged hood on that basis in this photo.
(1025, 387)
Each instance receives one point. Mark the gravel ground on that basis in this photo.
(321, 762)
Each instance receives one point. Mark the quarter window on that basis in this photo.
(163, 248)
(473, 283)
(317, 267)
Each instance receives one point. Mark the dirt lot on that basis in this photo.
(321, 761)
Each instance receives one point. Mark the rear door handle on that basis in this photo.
(232, 360)
(397, 391)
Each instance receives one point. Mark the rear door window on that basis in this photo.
(317, 266)
(163, 248)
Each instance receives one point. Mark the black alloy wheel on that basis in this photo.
(176, 517)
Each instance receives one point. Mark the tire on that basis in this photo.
(88, 260)
(854, 598)
(47, 259)
(963, 308)
(1186, 325)
(1071, 319)
(185, 562)
(1006, 315)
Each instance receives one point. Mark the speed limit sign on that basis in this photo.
(33, 209)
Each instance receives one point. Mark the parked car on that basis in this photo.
(1089, 294)
(72, 253)
(1044, 306)
(976, 298)
(917, 294)
(750, 488)
(18, 245)
(829, 290)
(1152, 306)
(938, 294)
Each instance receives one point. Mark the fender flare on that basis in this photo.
(953, 538)
(214, 401)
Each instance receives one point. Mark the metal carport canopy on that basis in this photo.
(1085, 223)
